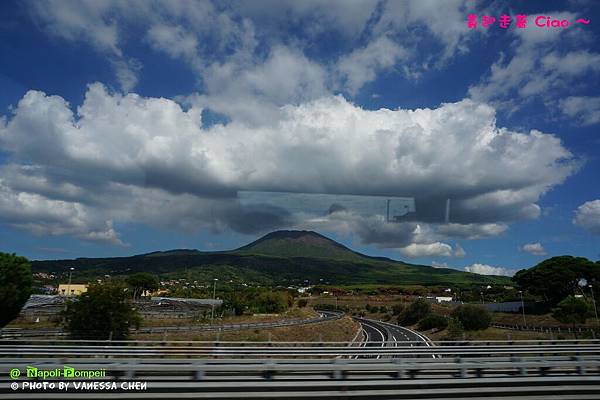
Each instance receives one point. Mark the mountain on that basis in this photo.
(306, 244)
(278, 258)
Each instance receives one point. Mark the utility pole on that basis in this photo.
(212, 311)
(523, 308)
(594, 302)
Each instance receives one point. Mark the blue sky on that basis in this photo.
(128, 127)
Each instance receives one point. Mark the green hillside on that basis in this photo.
(279, 258)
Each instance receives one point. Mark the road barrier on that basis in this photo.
(232, 370)
(159, 349)
(548, 329)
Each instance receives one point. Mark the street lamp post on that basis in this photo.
(594, 303)
(212, 311)
(523, 308)
(69, 285)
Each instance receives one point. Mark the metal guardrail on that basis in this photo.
(277, 350)
(331, 369)
(526, 378)
(162, 343)
(499, 369)
(537, 388)
(547, 329)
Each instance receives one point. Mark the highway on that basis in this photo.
(379, 331)
(383, 334)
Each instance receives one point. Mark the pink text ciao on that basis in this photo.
(544, 21)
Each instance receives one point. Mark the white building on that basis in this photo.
(441, 299)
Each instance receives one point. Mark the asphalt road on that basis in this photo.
(383, 334)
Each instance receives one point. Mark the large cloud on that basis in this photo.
(587, 216)
(119, 150)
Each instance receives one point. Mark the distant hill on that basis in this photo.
(278, 258)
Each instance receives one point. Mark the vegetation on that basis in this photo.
(302, 303)
(141, 282)
(417, 310)
(105, 311)
(433, 321)
(273, 302)
(397, 309)
(572, 310)
(455, 330)
(304, 257)
(342, 330)
(258, 301)
(15, 285)
(472, 318)
(330, 307)
(557, 277)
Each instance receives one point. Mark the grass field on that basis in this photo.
(541, 320)
(294, 313)
(342, 330)
(502, 334)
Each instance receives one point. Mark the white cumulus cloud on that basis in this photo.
(585, 109)
(534, 248)
(437, 249)
(537, 65)
(363, 64)
(587, 216)
(484, 269)
(119, 154)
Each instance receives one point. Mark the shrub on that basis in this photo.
(433, 321)
(571, 310)
(15, 285)
(397, 309)
(104, 311)
(272, 302)
(472, 318)
(416, 311)
(455, 330)
(302, 303)
(236, 303)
